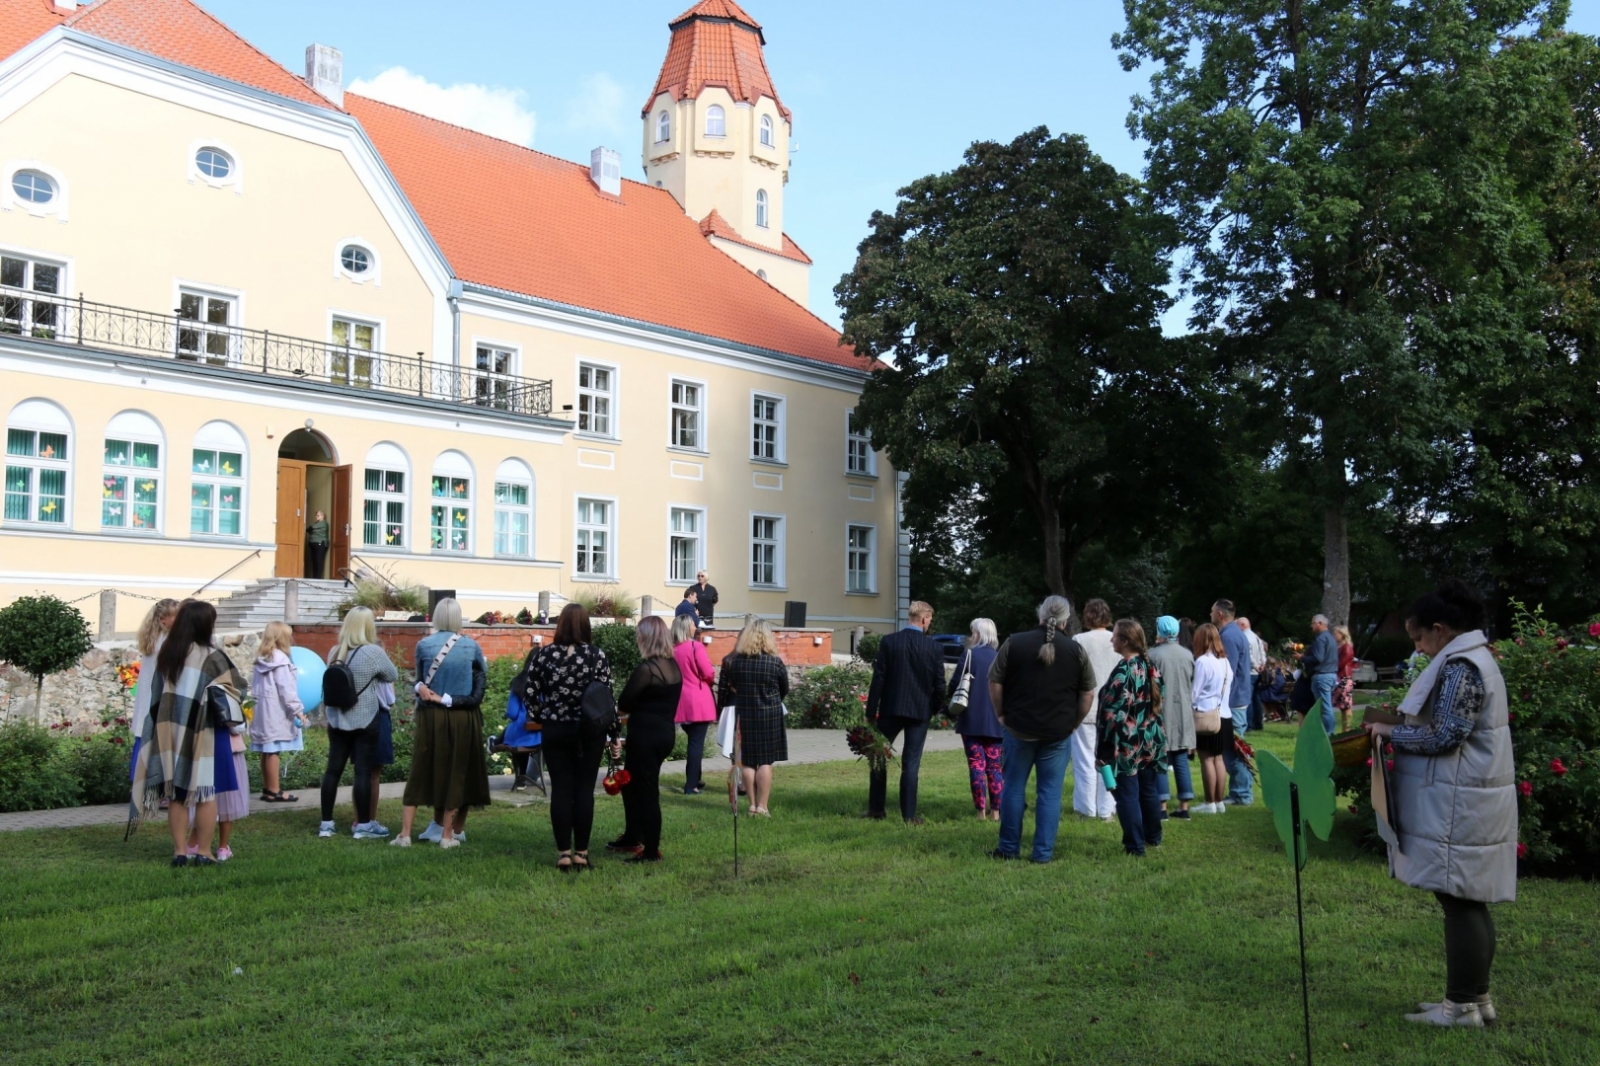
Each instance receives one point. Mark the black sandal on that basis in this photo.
(564, 862)
(580, 860)
(277, 797)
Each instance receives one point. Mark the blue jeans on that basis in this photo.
(1180, 770)
(1322, 686)
(1022, 757)
(1139, 809)
(1241, 786)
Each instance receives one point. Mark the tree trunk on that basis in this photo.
(1335, 564)
(38, 699)
(1054, 573)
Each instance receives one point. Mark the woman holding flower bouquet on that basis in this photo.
(755, 681)
(648, 704)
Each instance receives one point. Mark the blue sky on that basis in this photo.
(883, 91)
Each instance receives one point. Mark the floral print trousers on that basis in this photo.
(984, 757)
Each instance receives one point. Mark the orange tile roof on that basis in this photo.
(178, 31)
(510, 218)
(714, 225)
(715, 43)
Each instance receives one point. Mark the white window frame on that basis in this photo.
(777, 422)
(701, 445)
(219, 481)
(854, 442)
(523, 478)
(609, 528)
(158, 474)
(484, 380)
(778, 542)
(374, 272)
(663, 126)
(851, 551)
(36, 464)
(445, 468)
(763, 210)
(27, 312)
(612, 396)
(374, 373)
(767, 134)
(717, 112)
(196, 176)
(383, 498)
(9, 201)
(206, 329)
(697, 538)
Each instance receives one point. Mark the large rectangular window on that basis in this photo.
(36, 476)
(353, 365)
(685, 543)
(858, 559)
(203, 333)
(766, 550)
(130, 488)
(513, 518)
(216, 493)
(596, 393)
(858, 455)
(687, 412)
(766, 428)
(492, 382)
(450, 516)
(594, 550)
(18, 313)
(383, 508)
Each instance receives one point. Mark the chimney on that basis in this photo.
(605, 170)
(66, 7)
(325, 72)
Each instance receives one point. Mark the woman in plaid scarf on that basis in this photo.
(177, 759)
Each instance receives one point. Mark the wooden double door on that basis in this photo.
(305, 488)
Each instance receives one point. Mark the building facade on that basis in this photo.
(231, 297)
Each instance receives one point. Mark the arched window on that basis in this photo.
(761, 208)
(663, 127)
(768, 140)
(384, 482)
(38, 466)
(450, 513)
(716, 121)
(216, 481)
(513, 509)
(130, 485)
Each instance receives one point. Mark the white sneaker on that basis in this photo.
(1450, 1015)
(433, 832)
(453, 842)
(327, 830)
(400, 842)
(370, 831)
(1485, 1004)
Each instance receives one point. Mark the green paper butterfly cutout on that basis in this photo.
(1312, 773)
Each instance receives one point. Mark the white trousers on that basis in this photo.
(1090, 797)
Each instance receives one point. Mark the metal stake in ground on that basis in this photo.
(736, 779)
(1300, 915)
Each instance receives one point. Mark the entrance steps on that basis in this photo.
(264, 601)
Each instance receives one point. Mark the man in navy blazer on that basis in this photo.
(907, 690)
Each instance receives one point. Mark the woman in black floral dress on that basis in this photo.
(1131, 740)
(573, 747)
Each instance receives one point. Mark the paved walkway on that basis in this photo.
(805, 746)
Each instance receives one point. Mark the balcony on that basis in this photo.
(105, 327)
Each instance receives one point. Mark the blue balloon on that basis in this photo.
(308, 671)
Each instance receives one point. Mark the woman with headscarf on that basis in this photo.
(1175, 663)
(198, 688)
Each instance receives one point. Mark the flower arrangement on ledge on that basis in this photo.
(867, 743)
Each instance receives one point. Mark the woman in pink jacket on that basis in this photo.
(697, 709)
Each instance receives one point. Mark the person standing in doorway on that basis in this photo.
(1321, 664)
(1090, 797)
(705, 599)
(1236, 646)
(317, 544)
(907, 691)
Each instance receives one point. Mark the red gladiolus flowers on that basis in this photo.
(1557, 768)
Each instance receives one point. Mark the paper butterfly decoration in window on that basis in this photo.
(47, 452)
(227, 467)
(147, 486)
(227, 499)
(204, 466)
(49, 508)
(1311, 776)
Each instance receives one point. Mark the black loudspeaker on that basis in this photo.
(794, 614)
(435, 595)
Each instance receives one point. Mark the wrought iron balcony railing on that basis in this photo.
(46, 316)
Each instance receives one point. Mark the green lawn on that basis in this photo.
(844, 942)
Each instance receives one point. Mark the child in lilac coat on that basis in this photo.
(279, 714)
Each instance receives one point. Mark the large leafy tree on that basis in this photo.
(1343, 173)
(1017, 300)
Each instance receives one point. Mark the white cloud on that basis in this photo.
(600, 108)
(496, 111)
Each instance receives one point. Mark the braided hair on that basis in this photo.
(1055, 612)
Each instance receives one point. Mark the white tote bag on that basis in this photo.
(725, 732)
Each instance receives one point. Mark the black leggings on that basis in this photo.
(641, 796)
(1468, 948)
(361, 747)
(572, 753)
(696, 732)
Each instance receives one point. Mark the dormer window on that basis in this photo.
(663, 127)
(716, 121)
(761, 208)
(768, 140)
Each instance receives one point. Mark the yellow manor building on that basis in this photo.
(232, 296)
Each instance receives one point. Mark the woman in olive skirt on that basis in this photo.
(755, 681)
(449, 767)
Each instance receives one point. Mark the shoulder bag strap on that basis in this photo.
(433, 667)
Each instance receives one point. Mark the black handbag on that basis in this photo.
(224, 711)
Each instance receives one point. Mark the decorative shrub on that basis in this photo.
(621, 648)
(606, 601)
(867, 649)
(34, 775)
(378, 595)
(830, 697)
(41, 635)
(101, 761)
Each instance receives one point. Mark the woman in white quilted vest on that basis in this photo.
(1455, 799)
